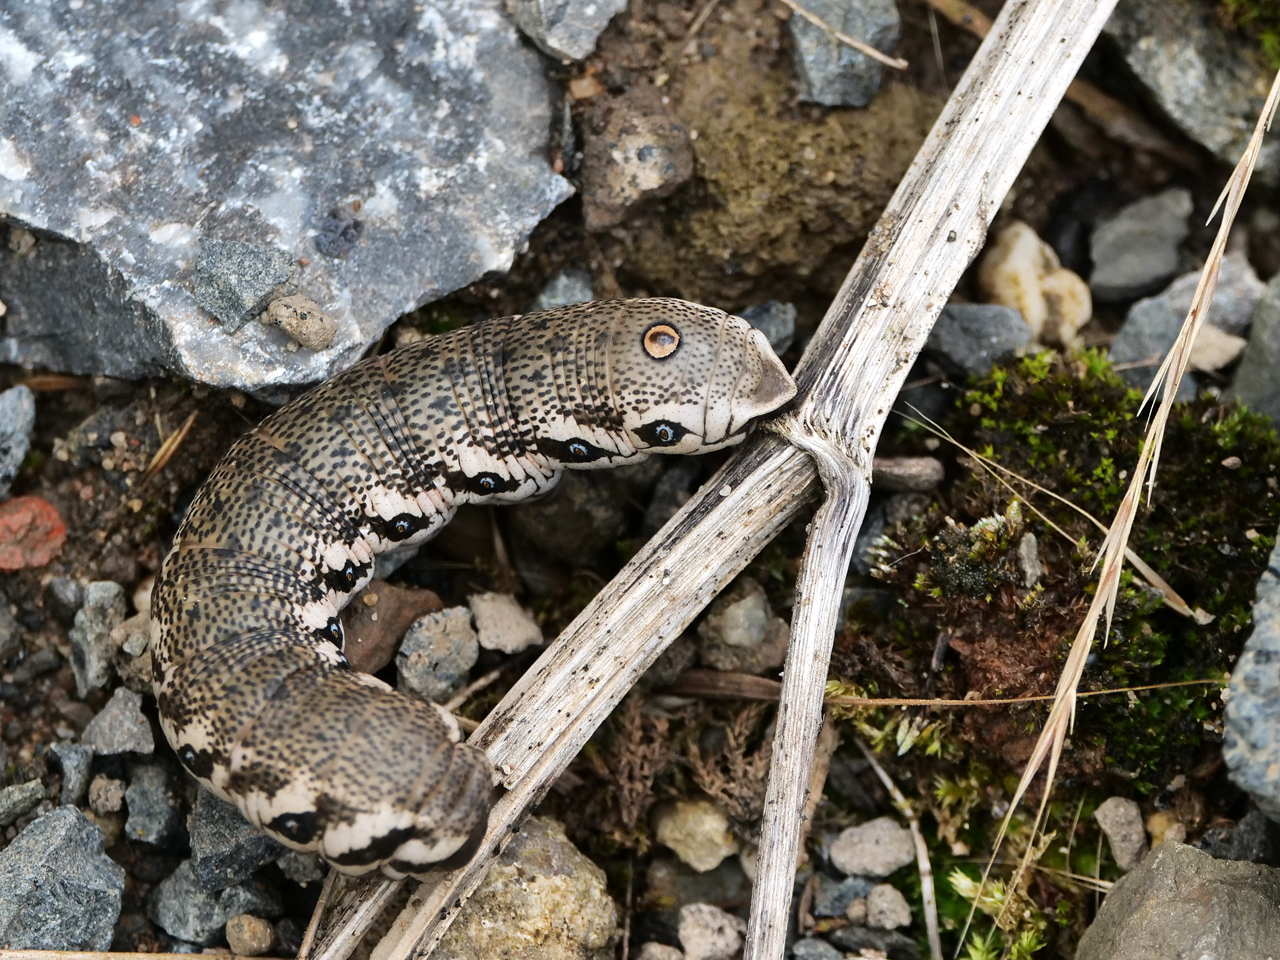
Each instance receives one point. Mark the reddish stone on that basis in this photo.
(31, 533)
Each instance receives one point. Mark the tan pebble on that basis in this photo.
(302, 318)
(1020, 270)
(1214, 349)
(856, 911)
(1164, 825)
(248, 936)
(697, 831)
(106, 796)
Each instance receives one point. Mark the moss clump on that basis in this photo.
(965, 599)
(1259, 19)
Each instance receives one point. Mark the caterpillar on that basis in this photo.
(254, 693)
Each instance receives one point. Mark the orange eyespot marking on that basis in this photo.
(661, 340)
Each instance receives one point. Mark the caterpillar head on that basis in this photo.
(690, 379)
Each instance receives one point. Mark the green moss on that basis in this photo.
(1074, 428)
(1259, 19)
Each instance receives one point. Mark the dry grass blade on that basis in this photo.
(1048, 749)
(927, 892)
(167, 450)
(863, 48)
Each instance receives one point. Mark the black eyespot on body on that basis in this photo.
(332, 632)
(571, 451)
(199, 762)
(400, 527)
(298, 827)
(487, 484)
(343, 580)
(661, 340)
(661, 433)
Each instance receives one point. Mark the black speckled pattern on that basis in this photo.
(254, 692)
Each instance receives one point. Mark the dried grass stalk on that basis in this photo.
(1049, 746)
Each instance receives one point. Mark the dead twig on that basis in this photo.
(927, 892)
(714, 684)
(166, 451)
(1117, 120)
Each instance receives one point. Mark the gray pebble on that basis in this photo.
(831, 72)
(894, 945)
(74, 760)
(831, 897)
(968, 338)
(1256, 384)
(565, 29)
(234, 280)
(303, 868)
(35, 664)
(120, 726)
(741, 632)
(155, 814)
(58, 890)
(19, 799)
(1208, 81)
(1136, 251)
(65, 597)
(92, 651)
(873, 849)
(17, 418)
(775, 320)
(184, 909)
(1256, 838)
(436, 654)
(813, 949)
(565, 288)
(671, 492)
(225, 848)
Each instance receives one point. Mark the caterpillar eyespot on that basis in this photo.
(287, 527)
(662, 433)
(661, 340)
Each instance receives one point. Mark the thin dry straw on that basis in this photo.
(1061, 718)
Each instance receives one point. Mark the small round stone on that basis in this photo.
(248, 936)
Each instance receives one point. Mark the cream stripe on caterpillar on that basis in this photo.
(254, 693)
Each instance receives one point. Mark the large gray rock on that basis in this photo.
(58, 890)
(1210, 83)
(566, 29)
(17, 417)
(388, 152)
(775, 320)
(1180, 902)
(1251, 746)
(225, 848)
(91, 648)
(1255, 384)
(1136, 251)
(833, 73)
(183, 909)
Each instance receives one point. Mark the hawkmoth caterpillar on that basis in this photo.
(254, 693)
